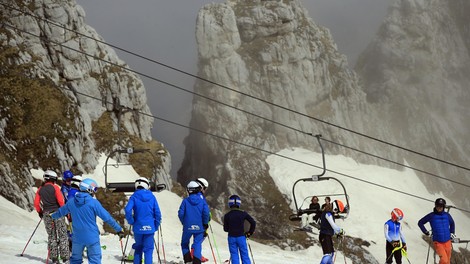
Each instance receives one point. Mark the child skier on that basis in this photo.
(234, 224)
(143, 213)
(395, 240)
(48, 199)
(66, 184)
(328, 228)
(194, 215)
(84, 210)
(74, 187)
(204, 185)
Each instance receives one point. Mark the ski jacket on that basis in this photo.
(72, 193)
(84, 210)
(143, 213)
(442, 225)
(234, 222)
(328, 225)
(48, 198)
(65, 189)
(393, 232)
(193, 214)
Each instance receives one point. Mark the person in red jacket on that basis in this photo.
(49, 199)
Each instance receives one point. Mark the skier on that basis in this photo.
(312, 214)
(84, 210)
(143, 213)
(204, 185)
(328, 228)
(48, 199)
(234, 222)
(395, 240)
(443, 230)
(74, 186)
(66, 184)
(194, 215)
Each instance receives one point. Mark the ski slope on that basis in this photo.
(370, 208)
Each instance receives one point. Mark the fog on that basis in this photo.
(164, 31)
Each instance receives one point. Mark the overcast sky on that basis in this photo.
(163, 30)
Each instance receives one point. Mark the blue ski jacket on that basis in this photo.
(71, 193)
(442, 225)
(65, 189)
(193, 214)
(392, 231)
(84, 210)
(143, 213)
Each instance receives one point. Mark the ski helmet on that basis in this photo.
(68, 175)
(50, 175)
(397, 214)
(338, 206)
(440, 202)
(88, 185)
(203, 182)
(142, 183)
(234, 200)
(193, 187)
(76, 181)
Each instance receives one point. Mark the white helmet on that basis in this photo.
(193, 187)
(50, 175)
(76, 181)
(142, 183)
(203, 182)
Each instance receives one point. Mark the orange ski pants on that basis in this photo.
(443, 250)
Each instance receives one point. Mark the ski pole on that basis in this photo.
(251, 252)
(342, 245)
(213, 255)
(429, 249)
(125, 247)
(215, 244)
(163, 246)
(405, 254)
(158, 253)
(31, 236)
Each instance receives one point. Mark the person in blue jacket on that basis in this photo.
(84, 210)
(234, 224)
(394, 238)
(194, 215)
(443, 230)
(66, 184)
(328, 228)
(143, 213)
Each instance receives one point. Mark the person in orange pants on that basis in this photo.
(443, 230)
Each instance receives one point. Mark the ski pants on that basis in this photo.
(93, 253)
(144, 243)
(443, 250)
(238, 245)
(197, 244)
(57, 237)
(391, 254)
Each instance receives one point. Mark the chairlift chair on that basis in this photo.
(127, 186)
(317, 178)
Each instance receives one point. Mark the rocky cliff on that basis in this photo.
(65, 97)
(271, 56)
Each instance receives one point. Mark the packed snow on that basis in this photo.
(370, 208)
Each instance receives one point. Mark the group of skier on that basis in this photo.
(441, 222)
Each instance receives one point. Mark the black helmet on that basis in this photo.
(440, 202)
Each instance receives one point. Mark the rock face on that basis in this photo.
(416, 75)
(89, 104)
(273, 69)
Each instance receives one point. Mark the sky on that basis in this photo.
(164, 30)
(370, 209)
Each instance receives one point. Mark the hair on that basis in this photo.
(328, 207)
(328, 198)
(313, 197)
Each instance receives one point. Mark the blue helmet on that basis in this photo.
(88, 185)
(68, 175)
(234, 200)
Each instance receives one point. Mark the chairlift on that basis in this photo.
(128, 186)
(317, 178)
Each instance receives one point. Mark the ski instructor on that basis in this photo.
(443, 230)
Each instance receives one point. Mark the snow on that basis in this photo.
(370, 208)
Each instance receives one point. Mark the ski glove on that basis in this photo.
(452, 236)
(205, 233)
(341, 232)
(40, 215)
(206, 226)
(247, 234)
(404, 246)
(121, 235)
(395, 244)
(427, 233)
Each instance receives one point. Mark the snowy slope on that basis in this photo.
(370, 208)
